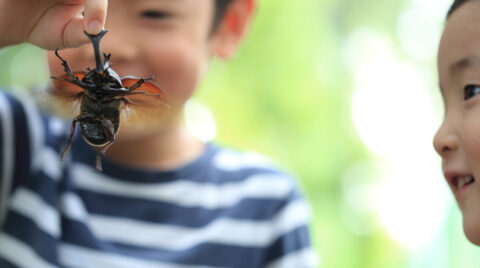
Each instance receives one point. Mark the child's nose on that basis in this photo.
(119, 45)
(445, 141)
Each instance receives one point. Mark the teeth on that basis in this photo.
(464, 180)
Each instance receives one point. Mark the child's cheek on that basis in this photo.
(470, 138)
(178, 71)
(470, 142)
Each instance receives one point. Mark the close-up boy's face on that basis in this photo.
(458, 139)
(168, 39)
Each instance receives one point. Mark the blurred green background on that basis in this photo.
(343, 94)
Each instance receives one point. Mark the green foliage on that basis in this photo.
(286, 94)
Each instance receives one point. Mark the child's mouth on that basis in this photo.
(462, 183)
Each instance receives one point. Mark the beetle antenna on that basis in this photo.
(98, 161)
(95, 39)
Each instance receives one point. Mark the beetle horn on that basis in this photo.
(106, 57)
(95, 39)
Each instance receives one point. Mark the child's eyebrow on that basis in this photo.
(460, 65)
(464, 63)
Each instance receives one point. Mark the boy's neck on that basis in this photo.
(165, 150)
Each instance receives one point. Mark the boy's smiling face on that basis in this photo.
(169, 39)
(458, 139)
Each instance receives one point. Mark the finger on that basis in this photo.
(73, 35)
(95, 14)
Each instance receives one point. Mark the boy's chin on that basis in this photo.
(135, 134)
(139, 131)
(471, 227)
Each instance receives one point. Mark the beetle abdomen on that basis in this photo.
(101, 121)
(94, 133)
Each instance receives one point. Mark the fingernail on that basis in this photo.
(94, 27)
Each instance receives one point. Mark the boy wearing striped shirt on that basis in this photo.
(164, 199)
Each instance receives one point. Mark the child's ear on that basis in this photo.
(232, 28)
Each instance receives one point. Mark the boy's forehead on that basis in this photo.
(173, 2)
(184, 6)
(460, 42)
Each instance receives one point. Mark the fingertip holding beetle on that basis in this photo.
(94, 27)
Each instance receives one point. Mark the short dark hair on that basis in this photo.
(456, 4)
(220, 8)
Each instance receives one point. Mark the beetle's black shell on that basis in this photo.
(91, 128)
(108, 78)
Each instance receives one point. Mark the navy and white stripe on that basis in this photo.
(225, 209)
(7, 153)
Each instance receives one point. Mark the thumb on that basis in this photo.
(95, 13)
(73, 34)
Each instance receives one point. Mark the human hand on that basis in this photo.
(50, 24)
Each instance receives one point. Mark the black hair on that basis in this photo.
(220, 8)
(456, 4)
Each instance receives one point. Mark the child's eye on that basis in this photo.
(471, 91)
(154, 14)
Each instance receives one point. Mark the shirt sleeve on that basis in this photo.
(292, 248)
(14, 147)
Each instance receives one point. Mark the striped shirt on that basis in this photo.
(225, 209)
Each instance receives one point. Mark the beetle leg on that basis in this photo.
(65, 65)
(73, 79)
(137, 78)
(137, 84)
(80, 83)
(72, 131)
(98, 161)
(77, 82)
(109, 131)
(143, 92)
(119, 91)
